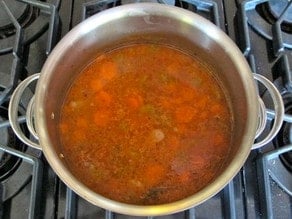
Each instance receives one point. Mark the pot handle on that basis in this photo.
(16, 96)
(279, 112)
(13, 112)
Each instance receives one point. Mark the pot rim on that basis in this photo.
(144, 9)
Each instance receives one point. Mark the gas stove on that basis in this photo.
(29, 30)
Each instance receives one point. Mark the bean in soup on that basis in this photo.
(146, 124)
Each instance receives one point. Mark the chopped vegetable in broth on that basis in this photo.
(146, 124)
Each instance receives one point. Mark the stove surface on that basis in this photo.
(30, 29)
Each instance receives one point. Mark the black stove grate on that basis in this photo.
(20, 192)
(251, 194)
(208, 8)
(46, 17)
(267, 170)
(8, 162)
(36, 180)
(266, 43)
(260, 15)
(251, 15)
(18, 43)
(17, 53)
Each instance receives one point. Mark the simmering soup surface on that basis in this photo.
(145, 124)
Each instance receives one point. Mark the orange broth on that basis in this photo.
(146, 124)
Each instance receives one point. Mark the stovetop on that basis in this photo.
(29, 30)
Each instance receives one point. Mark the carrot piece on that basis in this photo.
(178, 100)
(81, 124)
(97, 84)
(103, 98)
(187, 94)
(185, 177)
(165, 103)
(108, 70)
(170, 88)
(217, 109)
(101, 118)
(203, 115)
(184, 114)
(202, 103)
(135, 101)
(173, 68)
(153, 174)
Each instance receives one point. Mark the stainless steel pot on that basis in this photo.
(155, 23)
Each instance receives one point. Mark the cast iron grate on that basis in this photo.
(266, 27)
(22, 25)
(208, 8)
(33, 205)
(233, 201)
(8, 162)
(31, 22)
(269, 25)
(271, 19)
(267, 171)
(285, 134)
(16, 43)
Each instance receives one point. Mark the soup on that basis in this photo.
(146, 124)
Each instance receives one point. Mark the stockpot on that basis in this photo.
(149, 22)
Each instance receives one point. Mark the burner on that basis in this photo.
(24, 14)
(34, 18)
(206, 9)
(272, 11)
(276, 8)
(264, 15)
(8, 163)
(285, 134)
(92, 8)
